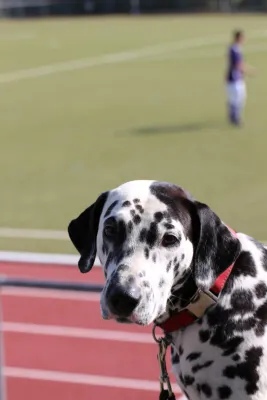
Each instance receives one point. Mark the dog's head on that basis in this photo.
(150, 237)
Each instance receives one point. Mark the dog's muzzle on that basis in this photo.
(122, 300)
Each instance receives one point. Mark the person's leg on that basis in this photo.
(232, 103)
(236, 101)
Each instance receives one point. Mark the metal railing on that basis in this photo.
(34, 284)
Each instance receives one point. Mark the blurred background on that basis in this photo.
(94, 93)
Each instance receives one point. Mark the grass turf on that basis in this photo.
(67, 136)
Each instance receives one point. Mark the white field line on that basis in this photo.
(79, 333)
(213, 53)
(50, 294)
(84, 379)
(16, 37)
(119, 57)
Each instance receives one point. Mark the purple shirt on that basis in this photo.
(234, 58)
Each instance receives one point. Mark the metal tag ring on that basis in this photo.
(157, 340)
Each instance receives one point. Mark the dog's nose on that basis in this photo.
(122, 301)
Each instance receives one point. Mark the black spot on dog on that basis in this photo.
(230, 372)
(242, 301)
(206, 389)
(136, 201)
(181, 378)
(142, 274)
(158, 216)
(174, 356)
(181, 350)
(143, 234)
(193, 356)
(247, 370)
(231, 345)
(146, 251)
(204, 335)
(169, 266)
(245, 265)
(261, 312)
(218, 315)
(198, 367)
(111, 207)
(154, 257)
(146, 284)
(261, 290)
(176, 268)
(131, 279)
(188, 380)
(220, 339)
(133, 213)
(243, 324)
(224, 392)
(126, 204)
(123, 267)
(236, 357)
(137, 219)
(139, 208)
(152, 235)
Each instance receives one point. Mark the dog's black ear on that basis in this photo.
(83, 232)
(217, 247)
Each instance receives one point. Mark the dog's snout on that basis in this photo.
(122, 301)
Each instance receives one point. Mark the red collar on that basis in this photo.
(195, 310)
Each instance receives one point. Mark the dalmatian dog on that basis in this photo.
(162, 253)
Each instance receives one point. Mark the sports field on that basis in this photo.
(87, 104)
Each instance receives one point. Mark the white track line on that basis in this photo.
(38, 234)
(79, 333)
(41, 258)
(50, 294)
(85, 379)
(119, 57)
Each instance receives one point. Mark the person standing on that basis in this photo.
(235, 82)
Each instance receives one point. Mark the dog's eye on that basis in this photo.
(109, 231)
(169, 240)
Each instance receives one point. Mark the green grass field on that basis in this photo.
(68, 133)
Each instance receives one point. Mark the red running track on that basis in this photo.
(56, 346)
